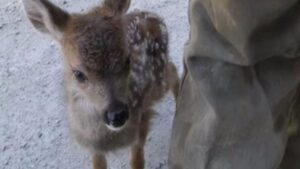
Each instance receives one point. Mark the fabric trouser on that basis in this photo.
(239, 100)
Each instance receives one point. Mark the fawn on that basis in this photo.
(116, 67)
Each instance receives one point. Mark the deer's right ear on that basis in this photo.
(118, 6)
(46, 17)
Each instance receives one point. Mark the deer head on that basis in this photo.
(96, 56)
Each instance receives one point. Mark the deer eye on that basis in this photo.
(79, 76)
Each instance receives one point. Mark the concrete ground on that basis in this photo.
(33, 124)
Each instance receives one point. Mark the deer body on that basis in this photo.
(116, 67)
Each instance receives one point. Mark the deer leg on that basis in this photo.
(137, 157)
(137, 150)
(175, 87)
(99, 161)
(174, 80)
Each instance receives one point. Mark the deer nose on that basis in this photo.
(116, 117)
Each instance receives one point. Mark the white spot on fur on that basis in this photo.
(136, 47)
(131, 40)
(141, 68)
(143, 58)
(138, 36)
(151, 15)
(156, 46)
(134, 103)
(160, 75)
(163, 29)
(137, 20)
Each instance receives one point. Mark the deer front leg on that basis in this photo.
(137, 157)
(137, 150)
(99, 161)
(173, 79)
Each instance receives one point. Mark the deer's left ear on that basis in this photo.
(118, 6)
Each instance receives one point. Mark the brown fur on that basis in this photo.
(124, 57)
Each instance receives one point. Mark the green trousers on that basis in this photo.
(238, 106)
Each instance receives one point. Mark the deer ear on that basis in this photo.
(46, 17)
(118, 6)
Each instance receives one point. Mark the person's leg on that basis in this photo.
(291, 158)
(242, 69)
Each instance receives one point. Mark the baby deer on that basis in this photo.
(116, 67)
